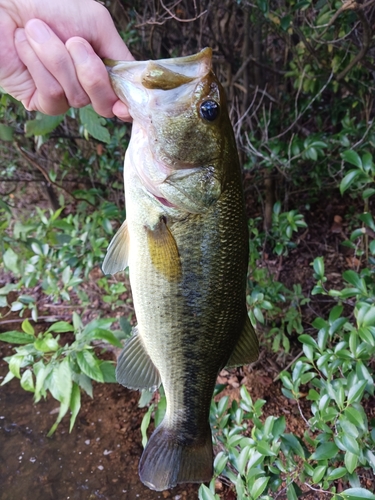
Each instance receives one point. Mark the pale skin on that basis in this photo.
(50, 55)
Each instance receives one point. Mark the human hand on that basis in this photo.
(50, 55)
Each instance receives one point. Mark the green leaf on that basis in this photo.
(319, 266)
(10, 260)
(61, 327)
(75, 404)
(14, 337)
(336, 474)
(349, 179)
(125, 325)
(145, 398)
(89, 365)
(205, 493)
(290, 442)
(15, 363)
(27, 327)
(41, 371)
(27, 381)
(354, 416)
(242, 460)
(145, 423)
(356, 391)
(259, 486)
(351, 461)
(366, 217)
(42, 125)
(367, 193)
(358, 494)
(60, 382)
(9, 376)
(291, 492)
(350, 444)
(369, 317)
(352, 278)
(307, 339)
(106, 335)
(220, 462)
(318, 474)
(46, 344)
(93, 123)
(265, 449)
(109, 372)
(325, 451)
(6, 133)
(352, 157)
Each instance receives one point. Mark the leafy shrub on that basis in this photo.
(45, 363)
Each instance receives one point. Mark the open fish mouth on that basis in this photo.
(132, 81)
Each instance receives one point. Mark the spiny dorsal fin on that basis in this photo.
(247, 348)
(135, 369)
(117, 255)
(163, 251)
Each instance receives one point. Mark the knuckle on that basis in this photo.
(79, 101)
(55, 93)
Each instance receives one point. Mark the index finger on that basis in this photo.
(93, 76)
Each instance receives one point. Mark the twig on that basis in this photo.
(288, 366)
(306, 108)
(41, 319)
(47, 177)
(173, 16)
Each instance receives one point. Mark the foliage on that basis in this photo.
(45, 362)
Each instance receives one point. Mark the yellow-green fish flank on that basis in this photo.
(185, 241)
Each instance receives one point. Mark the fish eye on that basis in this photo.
(209, 110)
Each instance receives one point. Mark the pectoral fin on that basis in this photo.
(117, 252)
(135, 369)
(163, 251)
(247, 348)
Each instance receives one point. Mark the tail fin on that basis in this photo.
(166, 461)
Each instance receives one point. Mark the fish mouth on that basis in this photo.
(132, 81)
(186, 65)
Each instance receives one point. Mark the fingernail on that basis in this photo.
(38, 31)
(19, 35)
(78, 52)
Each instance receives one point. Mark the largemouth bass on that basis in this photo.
(185, 241)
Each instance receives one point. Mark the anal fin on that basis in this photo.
(117, 256)
(247, 348)
(135, 368)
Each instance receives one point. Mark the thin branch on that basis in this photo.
(288, 366)
(306, 108)
(173, 16)
(47, 177)
(365, 46)
(41, 319)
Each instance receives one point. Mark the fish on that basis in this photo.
(185, 241)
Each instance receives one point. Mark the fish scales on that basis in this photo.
(186, 244)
